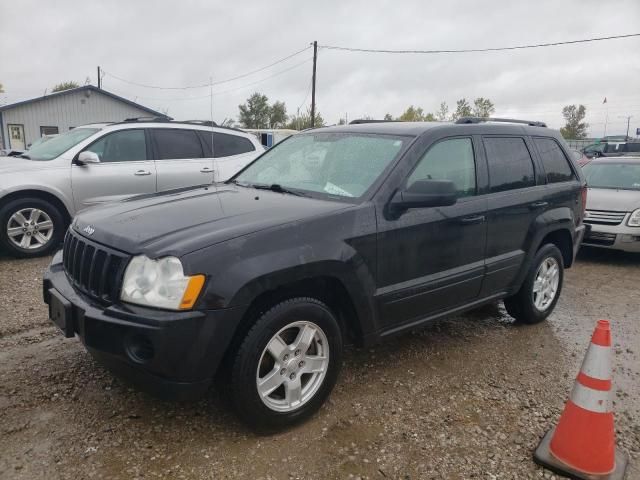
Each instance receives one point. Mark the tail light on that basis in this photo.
(584, 199)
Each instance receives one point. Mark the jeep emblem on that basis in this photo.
(89, 230)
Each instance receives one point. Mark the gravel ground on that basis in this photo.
(465, 398)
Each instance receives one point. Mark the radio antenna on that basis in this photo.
(213, 153)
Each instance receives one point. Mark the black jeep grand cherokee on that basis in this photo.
(348, 233)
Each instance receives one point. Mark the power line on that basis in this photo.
(208, 84)
(472, 50)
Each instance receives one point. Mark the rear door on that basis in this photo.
(231, 152)
(516, 198)
(180, 158)
(125, 169)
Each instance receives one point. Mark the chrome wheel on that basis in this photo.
(30, 228)
(545, 285)
(292, 366)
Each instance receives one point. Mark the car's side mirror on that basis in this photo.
(85, 158)
(423, 194)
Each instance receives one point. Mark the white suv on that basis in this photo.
(41, 190)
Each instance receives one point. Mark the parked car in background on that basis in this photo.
(10, 152)
(594, 150)
(616, 149)
(269, 137)
(351, 233)
(43, 188)
(579, 157)
(613, 203)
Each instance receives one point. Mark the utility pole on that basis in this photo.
(99, 78)
(313, 85)
(628, 117)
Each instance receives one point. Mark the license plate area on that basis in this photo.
(61, 313)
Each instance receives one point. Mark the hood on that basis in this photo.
(180, 221)
(613, 200)
(16, 165)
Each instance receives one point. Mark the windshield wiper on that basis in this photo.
(24, 155)
(276, 187)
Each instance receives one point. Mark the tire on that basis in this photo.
(254, 363)
(40, 237)
(522, 306)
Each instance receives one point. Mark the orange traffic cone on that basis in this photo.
(583, 444)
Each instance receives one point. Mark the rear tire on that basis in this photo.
(30, 227)
(541, 289)
(287, 364)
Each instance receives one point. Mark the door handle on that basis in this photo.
(472, 220)
(141, 173)
(535, 205)
(206, 170)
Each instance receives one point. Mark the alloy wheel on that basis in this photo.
(545, 285)
(292, 366)
(30, 228)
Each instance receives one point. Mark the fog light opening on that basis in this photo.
(139, 348)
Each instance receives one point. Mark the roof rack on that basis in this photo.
(531, 123)
(361, 121)
(204, 123)
(148, 119)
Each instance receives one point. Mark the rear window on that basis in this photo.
(510, 163)
(176, 144)
(556, 165)
(225, 145)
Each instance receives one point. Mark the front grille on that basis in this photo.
(93, 269)
(604, 217)
(600, 238)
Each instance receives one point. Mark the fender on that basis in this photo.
(28, 189)
(557, 219)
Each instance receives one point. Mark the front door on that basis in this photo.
(16, 137)
(125, 169)
(180, 159)
(432, 259)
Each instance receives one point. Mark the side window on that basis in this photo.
(225, 145)
(120, 146)
(556, 165)
(449, 160)
(177, 143)
(510, 163)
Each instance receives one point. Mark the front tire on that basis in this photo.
(541, 289)
(287, 364)
(30, 227)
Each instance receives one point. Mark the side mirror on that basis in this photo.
(88, 157)
(423, 194)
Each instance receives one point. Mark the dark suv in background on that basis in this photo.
(342, 234)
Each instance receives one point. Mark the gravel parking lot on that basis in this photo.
(468, 397)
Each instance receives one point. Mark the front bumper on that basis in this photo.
(169, 354)
(615, 237)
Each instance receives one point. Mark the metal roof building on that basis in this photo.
(24, 122)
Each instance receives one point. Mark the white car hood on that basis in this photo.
(613, 200)
(17, 165)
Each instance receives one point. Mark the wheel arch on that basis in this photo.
(41, 194)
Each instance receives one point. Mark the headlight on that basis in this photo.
(634, 219)
(160, 283)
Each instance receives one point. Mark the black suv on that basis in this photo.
(342, 234)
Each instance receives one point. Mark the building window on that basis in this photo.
(48, 131)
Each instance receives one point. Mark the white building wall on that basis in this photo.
(67, 111)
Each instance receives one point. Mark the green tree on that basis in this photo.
(64, 86)
(303, 121)
(483, 107)
(255, 113)
(277, 115)
(429, 117)
(388, 117)
(412, 114)
(463, 109)
(443, 112)
(575, 128)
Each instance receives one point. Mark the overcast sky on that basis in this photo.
(186, 42)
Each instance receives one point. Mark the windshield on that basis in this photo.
(57, 145)
(624, 176)
(339, 165)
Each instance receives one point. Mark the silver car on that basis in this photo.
(613, 203)
(42, 189)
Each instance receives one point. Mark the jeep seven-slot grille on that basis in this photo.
(93, 269)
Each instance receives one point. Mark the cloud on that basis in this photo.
(188, 42)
